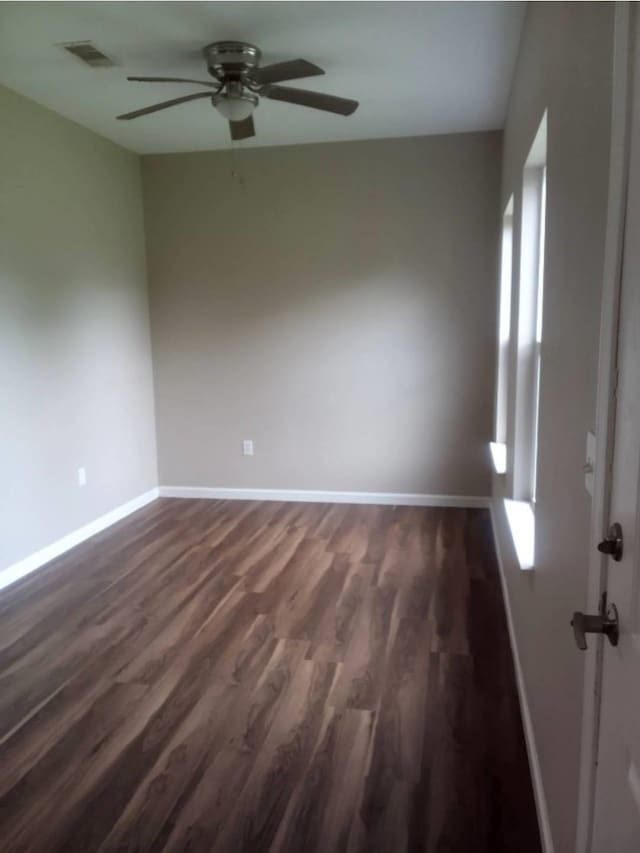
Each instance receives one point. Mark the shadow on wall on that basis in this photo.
(339, 303)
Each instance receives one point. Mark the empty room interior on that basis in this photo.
(320, 427)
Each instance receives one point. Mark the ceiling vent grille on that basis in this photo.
(88, 53)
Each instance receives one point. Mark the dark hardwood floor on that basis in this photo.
(236, 676)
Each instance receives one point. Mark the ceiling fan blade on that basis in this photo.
(173, 80)
(242, 129)
(163, 105)
(295, 69)
(315, 100)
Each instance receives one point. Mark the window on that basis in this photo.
(499, 446)
(521, 511)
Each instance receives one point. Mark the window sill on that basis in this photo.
(499, 456)
(522, 522)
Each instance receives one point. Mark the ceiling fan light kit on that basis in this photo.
(235, 103)
(238, 83)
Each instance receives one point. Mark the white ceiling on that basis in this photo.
(416, 68)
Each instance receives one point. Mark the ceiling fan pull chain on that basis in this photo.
(235, 172)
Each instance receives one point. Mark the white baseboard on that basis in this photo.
(55, 549)
(312, 496)
(532, 751)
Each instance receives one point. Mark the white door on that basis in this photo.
(616, 827)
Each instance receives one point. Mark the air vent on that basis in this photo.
(88, 53)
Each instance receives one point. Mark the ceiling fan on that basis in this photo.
(239, 82)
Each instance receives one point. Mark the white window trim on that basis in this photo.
(499, 446)
(537, 355)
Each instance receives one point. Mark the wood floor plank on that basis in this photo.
(361, 675)
(223, 784)
(222, 676)
(325, 801)
(281, 763)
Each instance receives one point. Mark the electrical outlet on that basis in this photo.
(247, 447)
(82, 476)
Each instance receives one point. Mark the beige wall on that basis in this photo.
(564, 66)
(337, 307)
(75, 369)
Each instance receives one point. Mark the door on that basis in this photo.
(616, 817)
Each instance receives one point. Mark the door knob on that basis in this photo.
(612, 543)
(589, 623)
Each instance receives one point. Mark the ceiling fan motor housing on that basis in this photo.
(231, 60)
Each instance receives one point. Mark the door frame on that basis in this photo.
(621, 107)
